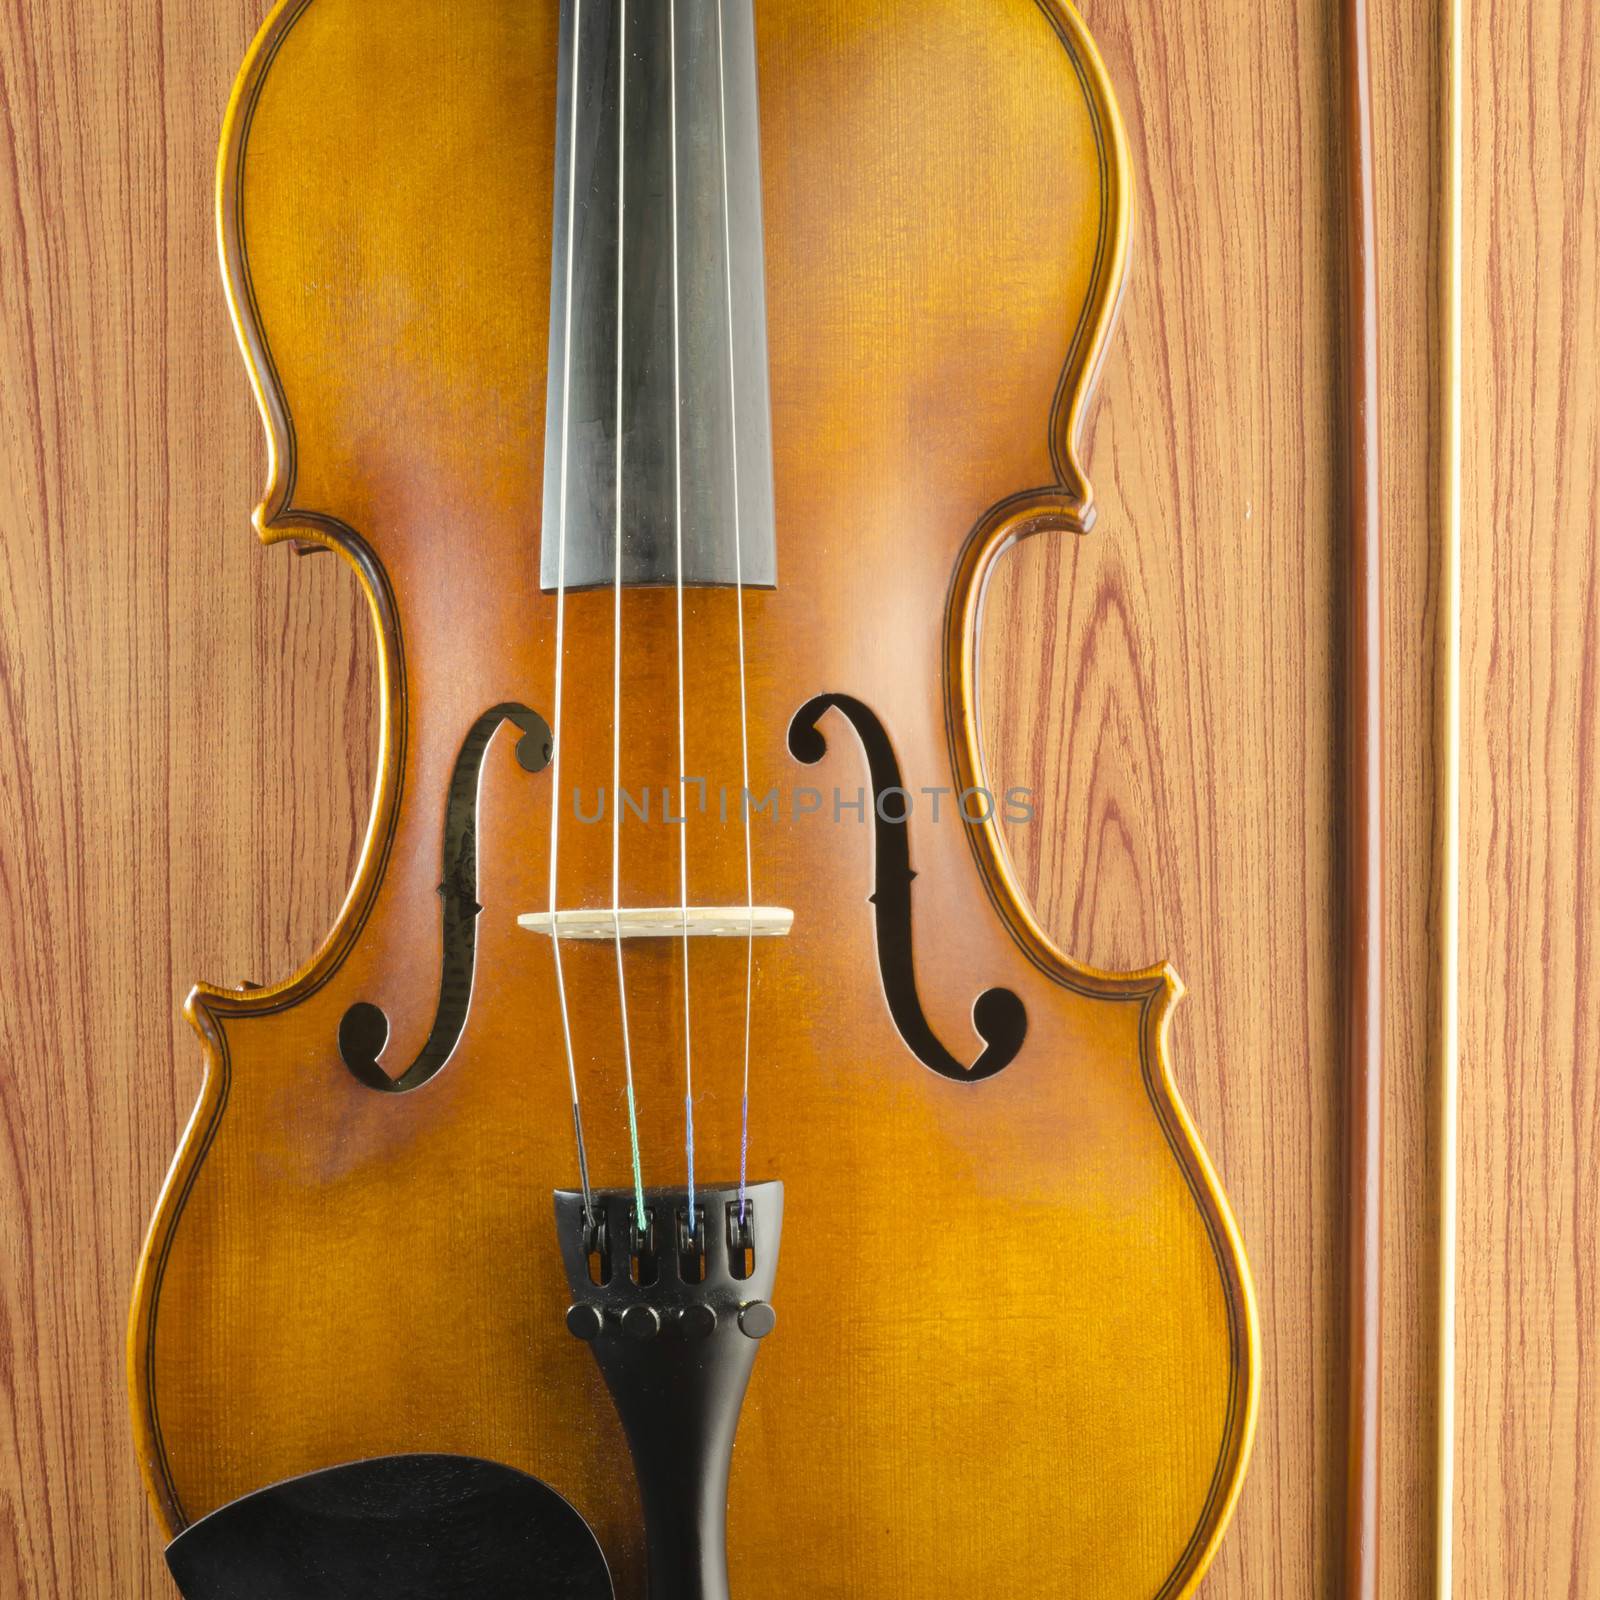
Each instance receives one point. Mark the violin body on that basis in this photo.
(1016, 1343)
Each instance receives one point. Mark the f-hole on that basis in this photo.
(364, 1029)
(998, 1015)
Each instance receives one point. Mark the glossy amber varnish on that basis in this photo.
(1014, 1316)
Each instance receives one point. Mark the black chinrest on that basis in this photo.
(416, 1527)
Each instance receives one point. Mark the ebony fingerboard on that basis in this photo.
(690, 403)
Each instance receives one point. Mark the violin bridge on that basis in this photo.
(662, 922)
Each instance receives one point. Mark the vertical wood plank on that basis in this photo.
(185, 743)
(1528, 1513)
(1408, 63)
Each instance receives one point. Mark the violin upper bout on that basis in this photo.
(392, 309)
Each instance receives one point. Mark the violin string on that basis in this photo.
(616, 629)
(677, 535)
(738, 589)
(561, 618)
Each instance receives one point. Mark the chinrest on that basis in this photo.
(411, 1527)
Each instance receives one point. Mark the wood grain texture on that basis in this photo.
(1166, 682)
(143, 636)
(1528, 1429)
(1407, 65)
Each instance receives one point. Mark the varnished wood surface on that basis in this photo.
(1169, 679)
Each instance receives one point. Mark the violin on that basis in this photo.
(686, 1110)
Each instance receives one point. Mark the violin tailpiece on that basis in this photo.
(675, 1320)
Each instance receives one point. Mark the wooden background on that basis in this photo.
(186, 729)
